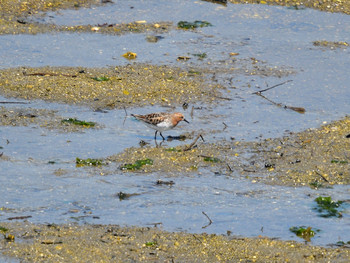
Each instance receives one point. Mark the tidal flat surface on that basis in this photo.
(248, 48)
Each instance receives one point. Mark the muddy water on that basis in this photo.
(41, 178)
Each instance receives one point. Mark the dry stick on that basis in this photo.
(197, 238)
(229, 167)
(13, 102)
(324, 178)
(49, 74)
(210, 221)
(193, 143)
(297, 109)
(222, 98)
(275, 86)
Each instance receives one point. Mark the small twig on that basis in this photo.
(275, 86)
(18, 217)
(297, 109)
(155, 224)
(210, 221)
(197, 238)
(222, 98)
(229, 167)
(192, 112)
(193, 143)
(49, 74)
(13, 102)
(249, 171)
(225, 126)
(324, 178)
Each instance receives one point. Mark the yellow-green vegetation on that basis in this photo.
(132, 85)
(111, 243)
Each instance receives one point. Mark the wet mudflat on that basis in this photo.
(85, 160)
(110, 243)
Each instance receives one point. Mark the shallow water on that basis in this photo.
(282, 37)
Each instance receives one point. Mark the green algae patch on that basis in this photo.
(110, 243)
(211, 159)
(150, 244)
(79, 122)
(193, 25)
(3, 229)
(304, 232)
(137, 165)
(326, 207)
(103, 78)
(339, 161)
(89, 162)
(173, 149)
(128, 86)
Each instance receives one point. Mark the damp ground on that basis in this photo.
(110, 243)
(251, 163)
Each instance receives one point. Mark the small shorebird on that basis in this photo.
(161, 121)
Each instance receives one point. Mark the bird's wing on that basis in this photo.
(152, 118)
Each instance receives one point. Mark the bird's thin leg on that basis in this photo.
(155, 135)
(162, 136)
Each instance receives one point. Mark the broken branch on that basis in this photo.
(210, 221)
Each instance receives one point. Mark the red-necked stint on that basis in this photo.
(161, 121)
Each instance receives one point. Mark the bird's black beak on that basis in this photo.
(186, 120)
